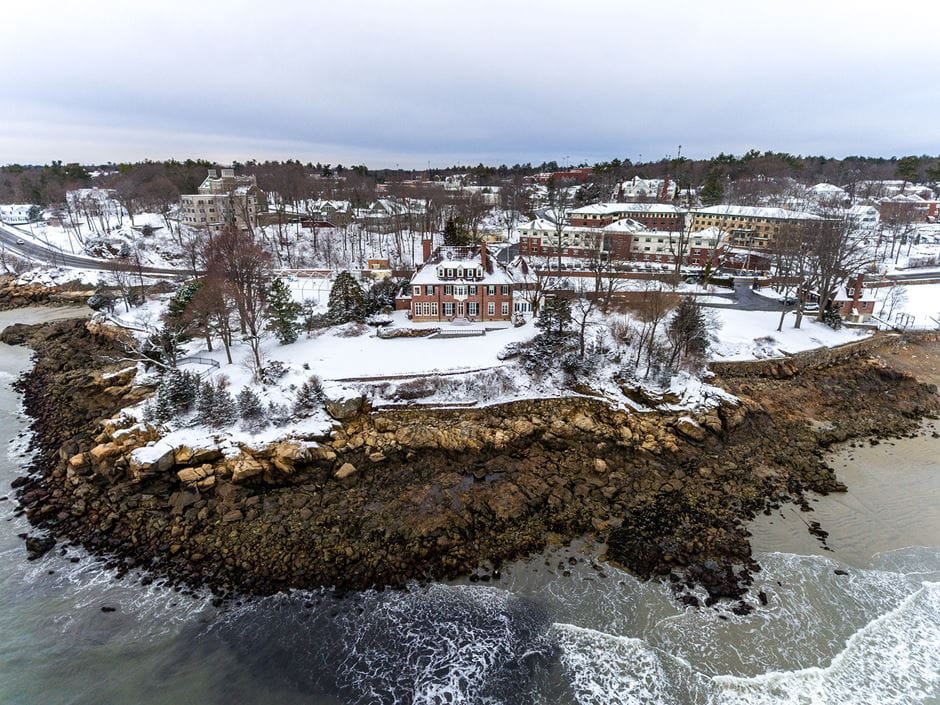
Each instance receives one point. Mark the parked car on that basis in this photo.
(810, 307)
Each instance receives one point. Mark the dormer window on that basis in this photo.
(440, 272)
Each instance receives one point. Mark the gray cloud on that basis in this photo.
(408, 82)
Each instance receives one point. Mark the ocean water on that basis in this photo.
(593, 636)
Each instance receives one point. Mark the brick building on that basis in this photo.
(655, 216)
(614, 241)
(461, 283)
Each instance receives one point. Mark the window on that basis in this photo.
(505, 308)
(491, 290)
(473, 308)
(429, 290)
(491, 308)
(504, 289)
(434, 308)
(448, 309)
(417, 291)
(460, 290)
(472, 290)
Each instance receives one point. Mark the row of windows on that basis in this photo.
(472, 308)
(461, 289)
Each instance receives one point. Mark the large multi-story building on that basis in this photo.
(748, 226)
(655, 216)
(540, 237)
(461, 283)
(697, 249)
(224, 199)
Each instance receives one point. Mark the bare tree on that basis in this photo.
(236, 259)
(559, 200)
(836, 252)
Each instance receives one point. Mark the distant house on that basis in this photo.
(852, 302)
(460, 283)
(910, 207)
(577, 175)
(224, 199)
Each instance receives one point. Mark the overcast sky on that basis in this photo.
(409, 82)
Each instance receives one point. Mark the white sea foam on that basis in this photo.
(893, 660)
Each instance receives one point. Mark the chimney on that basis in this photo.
(483, 256)
(426, 249)
(857, 283)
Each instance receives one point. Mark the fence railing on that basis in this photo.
(197, 360)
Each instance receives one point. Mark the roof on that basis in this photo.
(625, 225)
(757, 212)
(614, 208)
(461, 258)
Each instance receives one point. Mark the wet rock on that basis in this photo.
(38, 546)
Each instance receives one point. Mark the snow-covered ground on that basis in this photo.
(747, 335)
(919, 301)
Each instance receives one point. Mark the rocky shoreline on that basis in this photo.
(400, 495)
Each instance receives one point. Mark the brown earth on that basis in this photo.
(411, 494)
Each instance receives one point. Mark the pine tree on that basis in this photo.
(251, 410)
(713, 191)
(205, 403)
(224, 409)
(309, 397)
(283, 312)
(452, 235)
(347, 302)
(554, 317)
(161, 408)
(278, 414)
(182, 388)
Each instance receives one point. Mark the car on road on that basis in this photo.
(810, 307)
(21, 242)
(789, 300)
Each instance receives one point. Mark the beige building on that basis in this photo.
(748, 226)
(224, 199)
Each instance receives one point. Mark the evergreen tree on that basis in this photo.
(382, 295)
(182, 389)
(554, 317)
(347, 302)
(713, 190)
(205, 403)
(251, 410)
(224, 409)
(278, 414)
(455, 234)
(309, 397)
(283, 312)
(161, 409)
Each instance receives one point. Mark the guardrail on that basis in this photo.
(195, 359)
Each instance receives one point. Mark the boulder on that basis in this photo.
(150, 459)
(196, 456)
(246, 468)
(103, 451)
(343, 409)
(346, 469)
(190, 476)
(600, 465)
(688, 428)
(286, 456)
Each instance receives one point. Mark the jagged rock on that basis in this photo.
(246, 468)
(286, 456)
(688, 428)
(345, 470)
(376, 457)
(343, 409)
(600, 465)
(190, 476)
(182, 499)
(78, 460)
(103, 451)
(196, 456)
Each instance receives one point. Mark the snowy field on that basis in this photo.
(921, 301)
(748, 335)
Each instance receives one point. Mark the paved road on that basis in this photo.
(745, 298)
(20, 243)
